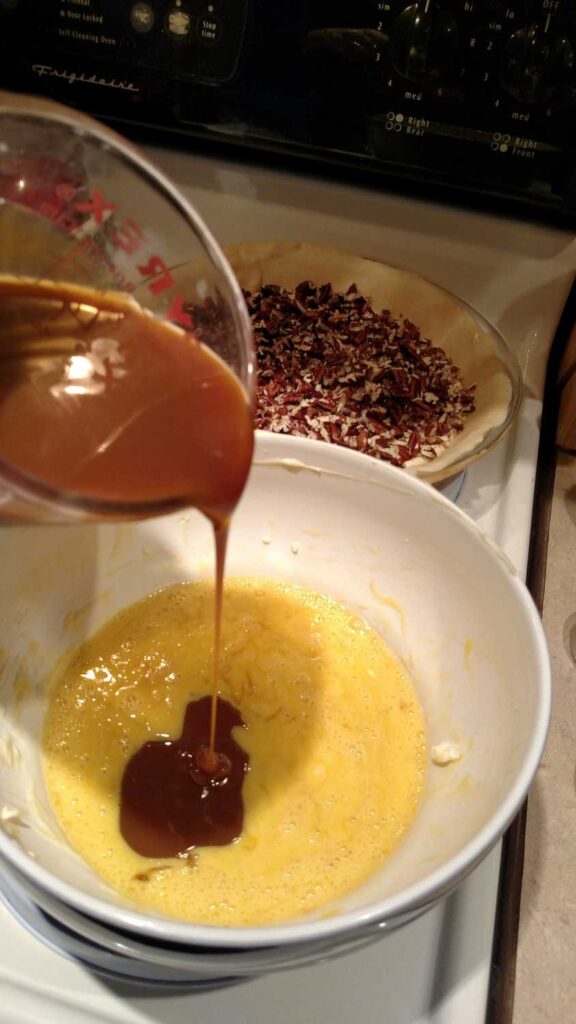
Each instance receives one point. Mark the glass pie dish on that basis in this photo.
(474, 345)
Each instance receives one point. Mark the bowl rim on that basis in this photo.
(317, 456)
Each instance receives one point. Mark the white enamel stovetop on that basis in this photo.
(435, 970)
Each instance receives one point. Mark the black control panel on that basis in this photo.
(192, 40)
(476, 95)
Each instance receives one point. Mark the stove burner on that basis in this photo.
(92, 956)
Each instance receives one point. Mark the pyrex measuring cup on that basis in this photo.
(80, 205)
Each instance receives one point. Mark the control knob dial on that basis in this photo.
(537, 63)
(424, 41)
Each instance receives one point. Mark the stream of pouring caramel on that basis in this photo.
(101, 402)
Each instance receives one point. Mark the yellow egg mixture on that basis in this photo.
(334, 732)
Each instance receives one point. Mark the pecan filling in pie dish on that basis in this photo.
(358, 353)
(332, 368)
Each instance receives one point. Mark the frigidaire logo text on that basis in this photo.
(46, 70)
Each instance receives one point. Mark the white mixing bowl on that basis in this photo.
(367, 534)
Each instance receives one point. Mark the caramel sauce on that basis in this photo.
(172, 801)
(99, 401)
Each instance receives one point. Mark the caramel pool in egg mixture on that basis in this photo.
(333, 730)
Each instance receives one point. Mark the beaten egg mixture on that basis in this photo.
(333, 729)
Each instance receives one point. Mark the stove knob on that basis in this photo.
(537, 63)
(142, 17)
(424, 41)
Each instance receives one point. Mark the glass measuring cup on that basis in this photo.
(80, 206)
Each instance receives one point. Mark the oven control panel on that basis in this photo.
(481, 92)
(197, 40)
(480, 63)
(475, 94)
